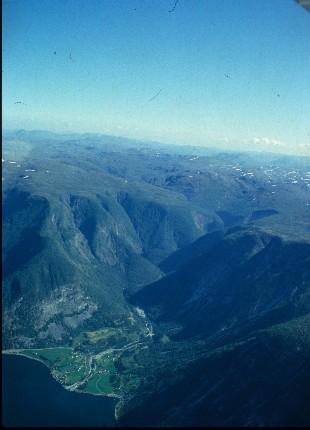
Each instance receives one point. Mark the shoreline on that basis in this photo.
(91, 403)
(15, 352)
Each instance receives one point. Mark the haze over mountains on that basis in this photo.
(181, 274)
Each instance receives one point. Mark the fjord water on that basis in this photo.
(31, 397)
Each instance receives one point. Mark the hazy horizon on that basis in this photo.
(210, 146)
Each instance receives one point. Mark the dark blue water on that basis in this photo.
(31, 397)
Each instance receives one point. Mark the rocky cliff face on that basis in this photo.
(71, 249)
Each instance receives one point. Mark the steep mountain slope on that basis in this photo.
(244, 275)
(241, 312)
(190, 252)
(260, 380)
(76, 238)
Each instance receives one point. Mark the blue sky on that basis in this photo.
(234, 73)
